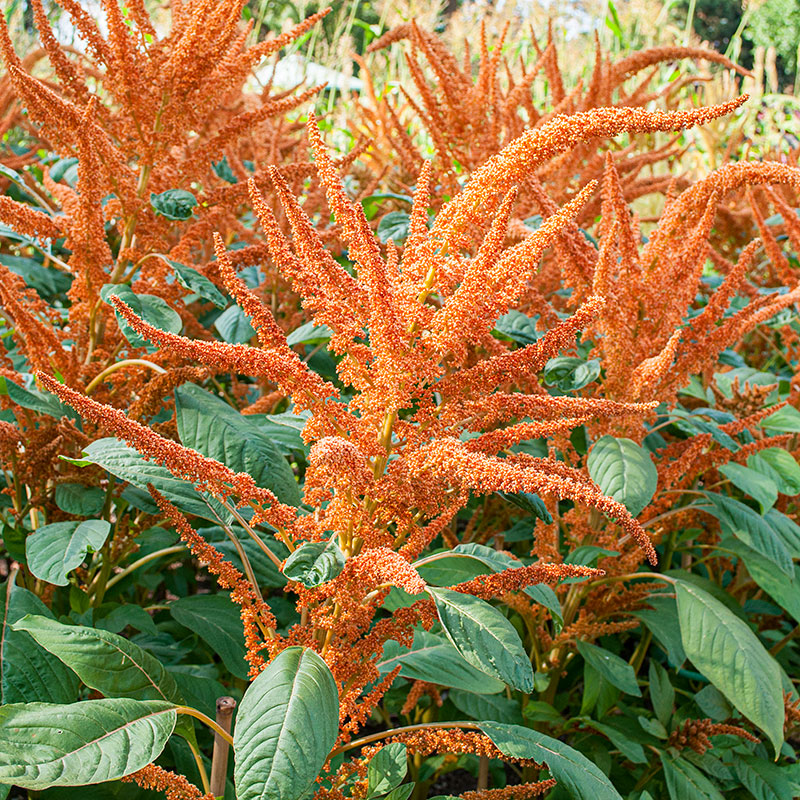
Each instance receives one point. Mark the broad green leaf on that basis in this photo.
(570, 374)
(782, 588)
(209, 425)
(631, 750)
(686, 782)
(518, 327)
(234, 326)
(309, 333)
(662, 694)
(728, 653)
(314, 563)
(784, 420)
(615, 670)
(152, 309)
(402, 792)
(284, 430)
(44, 744)
(54, 550)
(33, 399)
(530, 502)
(395, 226)
(114, 666)
(286, 725)
(128, 464)
(75, 498)
(174, 204)
(487, 707)
(387, 769)
(623, 470)
(433, 659)
(46, 280)
(764, 780)
(573, 771)
(191, 279)
(713, 704)
(215, 619)
(653, 727)
(787, 530)
(784, 469)
(759, 486)
(484, 637)
(467, 561)
(750, 527)
(29, 673)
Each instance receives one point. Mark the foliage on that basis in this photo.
(455, 465)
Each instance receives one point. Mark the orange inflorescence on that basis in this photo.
(257, 618)
(416, 692)
(695, 734)
(454, 740)
(521, 791)
(175, 787)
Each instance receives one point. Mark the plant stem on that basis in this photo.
(193, 712)
(198, 759)
(167, 551)
(128, 362)
(219, 759)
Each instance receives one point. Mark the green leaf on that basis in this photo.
(33, 399)
(713, 704)
(784, 420)
(785, 470)
(764, 780)
(114, 666)
(215, 619)
(209, 425)
(759, 486)
(728, 653)
(402, 792)
(615, 670)
(75, 498)
(286, 725)
(749, 526)
(234, 326)
(314, 563)
(662, 694)
(573, 771)
(395, 226)
(623, 470)
(776, 583)
(433, 659)
(54, 550)
(309, 333)
(387, 769)
(29, 673)
(686, 782)
(484, 637)
(174, 203)
(191, 279)
(518, 327)
(467, 561)
(530, 502)
(45, 745)
(128, 464)
(570, 374)
(152, 309)
(631, 750)
(487, 707)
